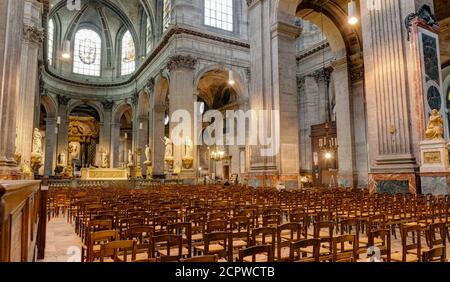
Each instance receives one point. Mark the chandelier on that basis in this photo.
(328, 144)
(218, 155)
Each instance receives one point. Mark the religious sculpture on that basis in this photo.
(105, 160)
(130, 158)
(148, 153)
(169, 149)
(188, 159)
(74, 152)
(37, 142)
(62, 160)
(435, 129)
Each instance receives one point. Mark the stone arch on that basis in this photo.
(50, 106)
(239, 87)
(161, 91)
(143, 105)
(95, 105)
(119, 111)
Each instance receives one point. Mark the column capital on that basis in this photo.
(33, 34)
(63, 100)
(287, 29)
(181, 62)
(339, 63)
(107, 105)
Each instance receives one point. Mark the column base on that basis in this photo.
(10, 173)
(393, 183)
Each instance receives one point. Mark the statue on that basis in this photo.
(62, 161)
(130, 158)
(169, 149)
(37, 142)
(74, 152)
(148, 153)
(435, 129)
(188, 148)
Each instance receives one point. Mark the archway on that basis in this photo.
(123, 136)
(214, 92)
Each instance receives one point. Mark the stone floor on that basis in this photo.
(63, 244)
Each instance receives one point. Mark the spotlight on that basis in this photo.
(231, 80)
(66, 50)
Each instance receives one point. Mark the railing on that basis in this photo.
(132, 183)
(22, 221)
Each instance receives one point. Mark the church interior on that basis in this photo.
(224, 130)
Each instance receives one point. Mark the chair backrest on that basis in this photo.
(437, 234)
(284, 239)
(340, 248)
(435, 254)
(171, 243)
(217, 226)
(113, 249)
(185, 230)
(411, 241)
(324, 225)
(253, 251)
(219, 238)
(297, 250)
(384, 246)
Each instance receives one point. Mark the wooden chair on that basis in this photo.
(287, 234)
(298, 251)
(343, 254)
(411, 244)
(435, 254)
(217, 243)
(436, 235)
(143, 237)
(324, 230)
(380, 239)
(95, 226)
(169, 247)
(117, 251)
(240, 231)
(92, 250)
(185, 230)
(260, 253)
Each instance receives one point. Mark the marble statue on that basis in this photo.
(169, 149)
(148, 153)
(435, 129)
(188, 148)
(130, 157)
(62, 161)
(74, 152)
(37, 142)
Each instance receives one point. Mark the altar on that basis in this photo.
(104, 174)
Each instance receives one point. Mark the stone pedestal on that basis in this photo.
(149, 166)
(434, 169)
(132, 171)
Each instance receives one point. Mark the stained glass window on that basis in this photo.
(87, 53)
(149, 35)
(219, 14)
(51, 35)
(166, 13)
(128, 54)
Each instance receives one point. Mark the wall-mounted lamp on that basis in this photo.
(141, 126)
(58, 120)
(352, 13)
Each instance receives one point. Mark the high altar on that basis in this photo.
(104, 174)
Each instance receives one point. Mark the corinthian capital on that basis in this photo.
(180, 61)
(33, 34)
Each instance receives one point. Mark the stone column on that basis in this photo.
(389, 72)
(323, 77)
(63, 135)
(11, 30)
(158, 149)
(50, 145)
(115, 144)
(344, 123)
(105, 130)
(273, 87)
(182, 98)
(32, 40)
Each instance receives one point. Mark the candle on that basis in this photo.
(58, 120)
(126, 135)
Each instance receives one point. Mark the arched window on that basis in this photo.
(87, 53)
(149, 35)
(219, 14)
(128, 54)
(51, 38)
(166, 13)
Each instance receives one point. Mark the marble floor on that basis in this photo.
(64, 245)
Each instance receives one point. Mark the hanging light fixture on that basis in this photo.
(231, 80)
(66, 50)
(352, 14)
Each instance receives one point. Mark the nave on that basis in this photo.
(211, 223)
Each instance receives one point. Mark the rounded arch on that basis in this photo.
(50, 106)
(96, 106)
(239, 87)
(161, 92)
(120, 110)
